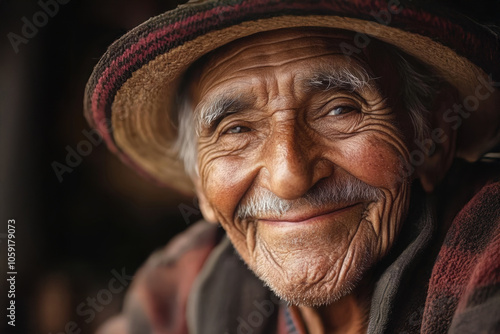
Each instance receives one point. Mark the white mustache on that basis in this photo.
(346, 190)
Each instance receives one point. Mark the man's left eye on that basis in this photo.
(341, 110)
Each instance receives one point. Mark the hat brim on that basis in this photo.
(130, 95)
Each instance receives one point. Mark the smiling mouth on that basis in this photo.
(308, 217)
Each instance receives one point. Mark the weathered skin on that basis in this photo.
(287, 140)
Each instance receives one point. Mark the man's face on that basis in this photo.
(298, 157)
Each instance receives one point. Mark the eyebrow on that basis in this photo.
(331, 78)
(210, 113)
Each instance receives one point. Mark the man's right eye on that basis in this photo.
(237, 129)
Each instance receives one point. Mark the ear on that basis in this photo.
(205, 207)
(439, 149)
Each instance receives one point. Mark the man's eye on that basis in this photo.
(237, 129)
(341, 110)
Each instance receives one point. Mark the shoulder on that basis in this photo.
(476, 226)
(158, 295)
(464, 287)
(476, 238)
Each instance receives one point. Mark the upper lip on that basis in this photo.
(294, 216)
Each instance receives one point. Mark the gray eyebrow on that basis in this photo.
(208, 113)
(328, 78)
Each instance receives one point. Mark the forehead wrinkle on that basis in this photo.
(279, 94)
(236, 48)
(286, 61)
(248, 78)
(225, 57)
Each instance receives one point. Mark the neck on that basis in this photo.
(347, 315)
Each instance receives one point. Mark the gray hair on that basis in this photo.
(186, 144)
(418, 92)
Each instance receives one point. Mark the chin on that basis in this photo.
(310, 295)
(314, 272)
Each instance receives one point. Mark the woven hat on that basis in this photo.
(129, 97)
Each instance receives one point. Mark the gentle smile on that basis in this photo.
(308, 217)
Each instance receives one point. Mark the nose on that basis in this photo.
(293, 162)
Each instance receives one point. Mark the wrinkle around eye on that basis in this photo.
(230, 145)
(338, 127)
(324, 105)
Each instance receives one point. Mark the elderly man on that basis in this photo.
(331, 147)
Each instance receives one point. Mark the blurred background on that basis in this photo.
(77, 232)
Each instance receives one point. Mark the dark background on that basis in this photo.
(70, 235)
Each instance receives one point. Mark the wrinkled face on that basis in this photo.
(298, 157)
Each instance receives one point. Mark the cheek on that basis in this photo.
(225, 181)
(375, 161)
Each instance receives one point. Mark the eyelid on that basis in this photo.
(337, 102)
(226, 131)
(223, 130)
(223, 105)
(214, 125)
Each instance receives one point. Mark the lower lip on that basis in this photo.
(313, 219)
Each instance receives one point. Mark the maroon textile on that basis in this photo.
(465, 281)
(156, 302)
